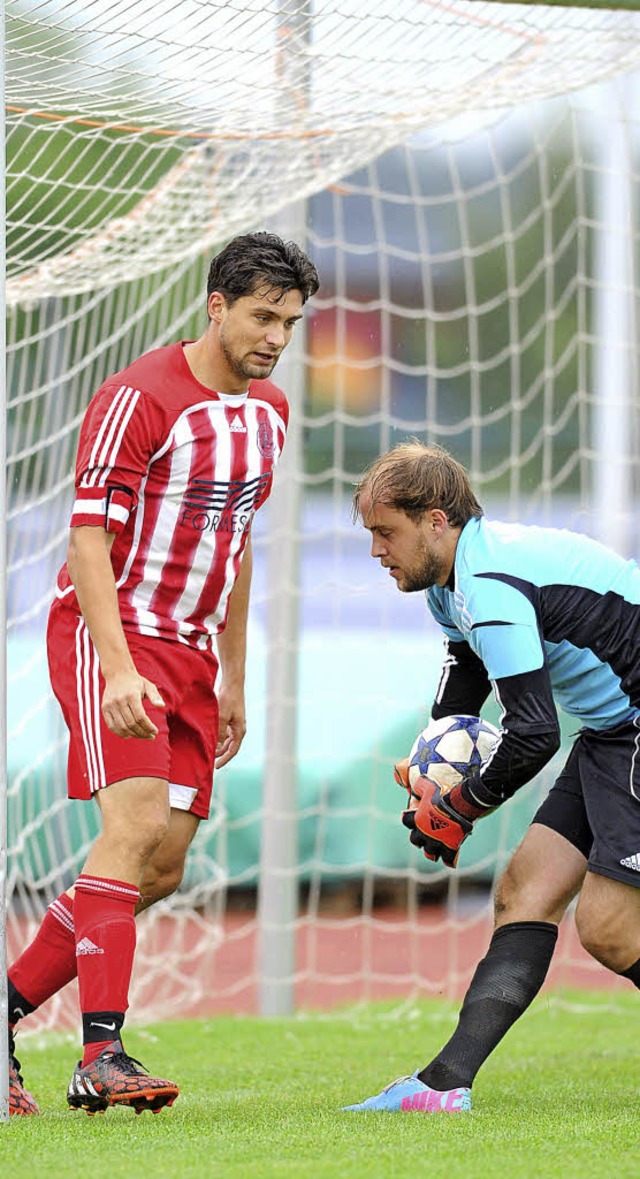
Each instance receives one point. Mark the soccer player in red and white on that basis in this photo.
(176, 454)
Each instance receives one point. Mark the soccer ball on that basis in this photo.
(448, 748)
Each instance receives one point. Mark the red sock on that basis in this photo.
(49, 963)
(90, 1051)
(103, 915)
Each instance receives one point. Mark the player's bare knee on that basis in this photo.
(140, 840)
(158, 883)
(608, 921)
(528, 896)
(151, 838)
(600, 947)
(602, 939)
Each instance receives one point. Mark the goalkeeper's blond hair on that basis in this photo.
(413, 478)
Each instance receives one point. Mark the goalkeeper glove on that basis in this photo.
(434, 825)
(401, 774)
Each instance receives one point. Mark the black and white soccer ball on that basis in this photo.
(450, 747)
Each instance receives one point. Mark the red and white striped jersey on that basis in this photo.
(177, 472)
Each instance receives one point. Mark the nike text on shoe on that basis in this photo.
(21, 1102)
(114, 1078)
(409, 1095)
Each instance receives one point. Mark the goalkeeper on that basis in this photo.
(537, 615)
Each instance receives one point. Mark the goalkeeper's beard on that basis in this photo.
(432, 570)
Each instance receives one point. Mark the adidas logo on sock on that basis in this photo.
(86, 946)
(237, 426)
(632, 862)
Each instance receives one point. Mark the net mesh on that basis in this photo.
(137, 139)
(454, 171)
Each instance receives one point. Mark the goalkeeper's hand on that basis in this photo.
(434, 825)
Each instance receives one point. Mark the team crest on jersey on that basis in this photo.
(266, 441)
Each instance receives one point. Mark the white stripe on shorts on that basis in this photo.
(181, 797)
(88, 697)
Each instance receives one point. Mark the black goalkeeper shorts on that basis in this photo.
(595, 802)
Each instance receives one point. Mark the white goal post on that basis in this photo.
(4, 1071)
(467, 179)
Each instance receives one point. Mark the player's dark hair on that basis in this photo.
(257, 260)
(413, 478)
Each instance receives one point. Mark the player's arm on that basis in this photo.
(121, 430)
(463, 687)
(505, 638)
(439, 823)
(530, 738)
(464, 682)
(505, 634)
(91, 572)
(232, 652)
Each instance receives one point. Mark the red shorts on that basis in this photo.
(183, 752)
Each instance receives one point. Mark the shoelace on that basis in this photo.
(398, 1081)
(129, 1064)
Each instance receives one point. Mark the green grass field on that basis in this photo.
(261, 1099)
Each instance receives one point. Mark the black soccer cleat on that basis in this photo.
(114, 1078)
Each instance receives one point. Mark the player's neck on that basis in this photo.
(211, 370)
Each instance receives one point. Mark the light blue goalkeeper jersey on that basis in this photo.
(537, 602)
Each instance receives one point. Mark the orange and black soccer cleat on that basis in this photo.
(114, 1078)
(21, 1103)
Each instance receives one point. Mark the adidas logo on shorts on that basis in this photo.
(632, 862)
(86, 946)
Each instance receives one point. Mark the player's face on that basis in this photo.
(414, 553)
(254, 330)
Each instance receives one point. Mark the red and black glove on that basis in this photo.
(434, 825)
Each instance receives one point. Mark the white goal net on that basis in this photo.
(466, 177)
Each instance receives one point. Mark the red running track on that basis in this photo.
(340, 961)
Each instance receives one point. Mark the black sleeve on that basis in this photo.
(530, 737)
(464, 683)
